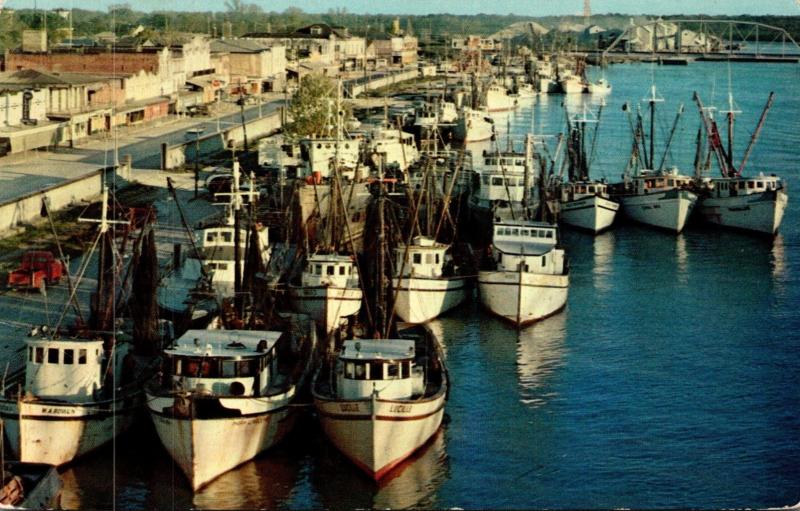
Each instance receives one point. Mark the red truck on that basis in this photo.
(38, 267)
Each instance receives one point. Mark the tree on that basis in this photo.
(313, 108)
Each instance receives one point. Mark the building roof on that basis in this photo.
(33, 77)
(238, 46)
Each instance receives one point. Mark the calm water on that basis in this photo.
(669, 381)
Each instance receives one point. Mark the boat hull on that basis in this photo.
(56, 433)
(422, 299)
(377, 435)
(196, 444)
(327, 305)
(594, 214)
(668, 210)
(522, 298)
(760, 213)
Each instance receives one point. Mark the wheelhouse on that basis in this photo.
(423, 258)
(330, 269)
(385, 366)
(729, 187)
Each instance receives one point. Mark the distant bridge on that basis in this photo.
(704, 39)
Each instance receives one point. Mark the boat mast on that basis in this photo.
(652, 100)
(730, 115)
(756, 132)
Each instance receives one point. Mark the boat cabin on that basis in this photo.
(734, 186)
(650, 181)
(217, 250)
(385, 366)
(330, 270)
(423, 258)
(527, 246)
(319, 155)
(398, 147)
(67, 369)
(502, 177)
(576, 190)
(223, 362)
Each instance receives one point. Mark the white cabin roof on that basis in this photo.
(377, 349)
(330, 258)
(224, 343)
(523, 248)
(64, 343)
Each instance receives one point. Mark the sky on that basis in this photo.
(521, 7)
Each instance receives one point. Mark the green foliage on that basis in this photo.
(313, 108)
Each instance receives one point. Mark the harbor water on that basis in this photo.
(670, 380)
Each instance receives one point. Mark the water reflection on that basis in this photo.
(681, 259)
(603, 259)
(778, 258)
(413, 484)
(540, 352)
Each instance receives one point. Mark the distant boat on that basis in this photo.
(427, 286)
(329, 290)
(227, 396)
(473, 125)
(498, 100)
(600, 87)
(587, 205)
(380, 400)
(527, 277)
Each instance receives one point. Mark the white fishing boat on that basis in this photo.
(571, 83)
(76, 394)
(396, 147)
(503, 188)
(322, 155)
(584, 203)
(750, 203)
(528, 275)
(380, 400)
(755, 204)
(659, 199)
(652, 195)
(600, 87)
(198, 280)
(587, 205)
(498, 100)
(427, 285)
(329, 290)
(473, 125)
(227, 395)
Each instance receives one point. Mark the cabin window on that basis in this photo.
(349, 370)
(591, 189)
(488, 161)
(361, 372)
(246, 368)
(82, 356)
(227, 237)
(318, 269)
(52, 355)
(341, 270)
(406, 369)
(330, 269)
(428, 258)
(759, 184)
(520, 163)
(750, 184)
(544, 261)
(39, 355)
(211, 236)
(497, 181)
(228, 368)
(437, 258)
(485, 179)
(376, 370)
(222, 266)
(671, 182)
(549, 234)
(515, 232)
(500, 258)
(392, 371)
(417, 258)
(30, 353)
(69, 356)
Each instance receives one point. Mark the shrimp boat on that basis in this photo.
(655, 196)
(329, 290)
(749, 203)
(227, 395)
(527, 278)
(498, 100)
(584, 203)
(76, 393)
(380, 400)
(601, 87)
(426, 285)
(473, 125)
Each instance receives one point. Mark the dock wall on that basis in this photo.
(356, 87)
(176, 155)
(29, 208)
